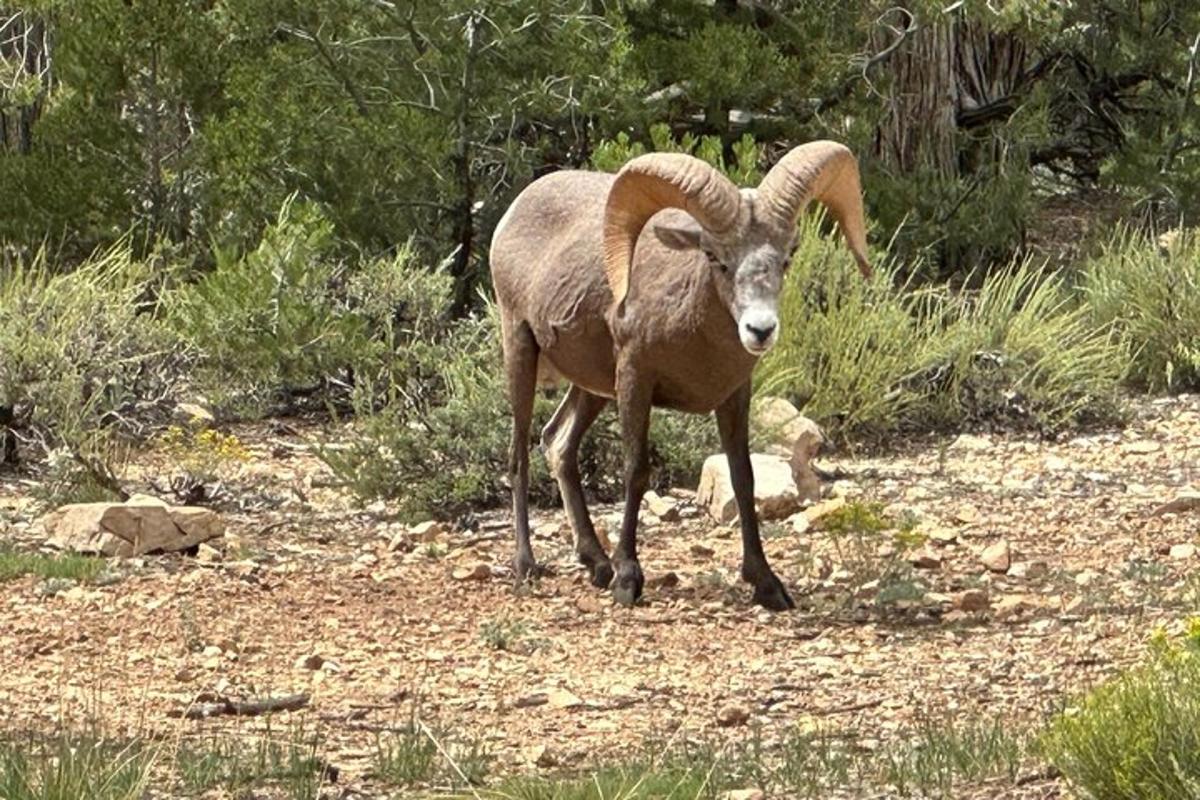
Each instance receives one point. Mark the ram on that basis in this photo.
(657, 287)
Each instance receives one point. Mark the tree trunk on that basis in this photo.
(950, 76)
(24, 49)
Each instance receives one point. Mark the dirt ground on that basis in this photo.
(402, 625)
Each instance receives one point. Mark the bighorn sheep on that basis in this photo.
(675, 313)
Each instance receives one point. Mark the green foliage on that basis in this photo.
(65, 567)
(503, 634)
(1138, 735)
(415, 755)
(269, 321)
(70, 768)
(863, 358)
(234, 765)
(435, 433)
(1022, 347)
(611, 154)
(80, 353)
(1151, 296)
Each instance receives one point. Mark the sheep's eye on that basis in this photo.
(714, 261)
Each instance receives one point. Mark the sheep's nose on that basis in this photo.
(763, 333)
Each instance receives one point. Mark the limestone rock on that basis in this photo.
(733, 715)
(193, 414)
(775, 492)
(814, 514)
(474, 572)
(997, 557)
(665, 508)
(793, 436)
(429, 531)
(1182, 551)
(972, 600)
(134, 528)
(742, 794)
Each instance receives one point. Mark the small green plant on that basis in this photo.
(203, 453)
(233, 764)
(858, 532)
(1137, 735)
(937, 755)
(58, 567)
(417, 755)
(407, 757)
(503, 634)
(97, 769)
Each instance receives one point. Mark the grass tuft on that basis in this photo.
(58, 567)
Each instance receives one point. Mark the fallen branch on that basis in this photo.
(213, 705)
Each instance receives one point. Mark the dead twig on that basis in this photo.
(214, 705)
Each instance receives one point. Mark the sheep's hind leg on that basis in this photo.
(520, 363)
(560, 442)
(733, 421)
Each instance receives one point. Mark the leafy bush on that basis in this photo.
(1152, 298)
(81, 359)
(1137, 736)
(434, 434)
(270, 321)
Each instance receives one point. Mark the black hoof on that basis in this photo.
(525, 568)
(771, 595)
(628, 582)
(602, 574)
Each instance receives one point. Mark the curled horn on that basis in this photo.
(650, 183)
(823, 171)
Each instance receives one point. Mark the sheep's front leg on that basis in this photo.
(733, 421)
(633, 399)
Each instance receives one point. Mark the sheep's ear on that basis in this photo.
(679, 235)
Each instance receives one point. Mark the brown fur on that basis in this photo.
(672, 343)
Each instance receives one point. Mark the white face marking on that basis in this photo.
(758, 328)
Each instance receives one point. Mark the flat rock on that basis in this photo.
(193, 414)
(312, 661)
(925, 559)
(972, 600)
(733, 715)
(428, 531)
(814, 514)
(1182, 551)
(997, 557)
(969, 443)
(130, 528)
(665, 508)
(775, 492)
(473, 572)
(742, 794)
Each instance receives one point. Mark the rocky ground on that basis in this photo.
(1012, 573)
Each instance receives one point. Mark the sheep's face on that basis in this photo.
(747, 272)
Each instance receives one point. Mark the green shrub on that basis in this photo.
(1152, 298)
(1137, 736)
(1020, 350)
(846, 346)
(81, 360)
(872, 357)
(434, 434)
(271, 321)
